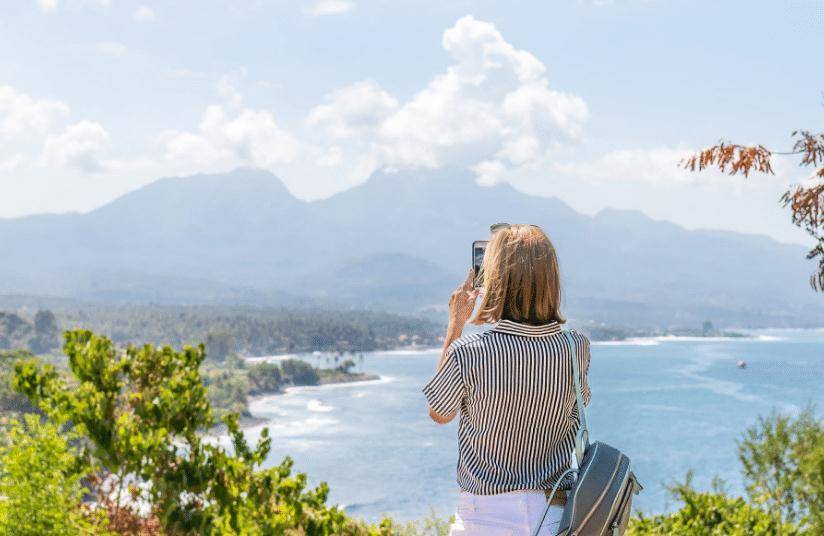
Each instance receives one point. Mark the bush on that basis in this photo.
(10, 400)
(783, 464)
(299, 372)
(709, 514)
(40, 482)
(264, 378)
(141, 414)
(782, 461)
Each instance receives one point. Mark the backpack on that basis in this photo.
(600, 501)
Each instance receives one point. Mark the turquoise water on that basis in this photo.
(671, 405)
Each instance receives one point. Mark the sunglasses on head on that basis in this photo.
(500, 226)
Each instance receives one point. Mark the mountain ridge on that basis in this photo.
(245, 229)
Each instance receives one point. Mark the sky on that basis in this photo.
(592, 101)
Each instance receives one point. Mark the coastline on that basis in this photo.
(246, 422)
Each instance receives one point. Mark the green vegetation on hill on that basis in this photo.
(39, 334)
(614, 333)
(232, 382)
(227, 330)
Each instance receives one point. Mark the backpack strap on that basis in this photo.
(582, 437)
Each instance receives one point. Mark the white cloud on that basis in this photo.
(47, 6)
(329, 7)
(50, 6)
(22, 115)
(251, 137)
(79, 146)
(491, 110)
(489, 172)
(356, 109)
(143, 14)
(228, 86)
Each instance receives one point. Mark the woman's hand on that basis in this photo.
(461, 305)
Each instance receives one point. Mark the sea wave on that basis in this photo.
(271, 358)
(318, 406)
(629, 342)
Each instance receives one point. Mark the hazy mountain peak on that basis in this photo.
(399, 239)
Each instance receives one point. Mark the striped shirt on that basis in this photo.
(513, 385)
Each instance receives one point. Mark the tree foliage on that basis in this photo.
(782, 460)
(708, 514)
(806, 201)
(40, 482)
(253, 331)
(141, 413)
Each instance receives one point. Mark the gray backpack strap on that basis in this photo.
(582, 437)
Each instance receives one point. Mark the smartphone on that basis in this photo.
(478, 250)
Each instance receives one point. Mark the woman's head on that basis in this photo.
(521, 280)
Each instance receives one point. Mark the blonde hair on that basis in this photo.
(521, 279)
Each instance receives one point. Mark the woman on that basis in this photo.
(513, 385)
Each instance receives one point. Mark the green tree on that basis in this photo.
(11, 400)
(46, 336)
(346, 366)
(708, 514)
(40, 482)
(219, 345)
(299, 372)
(264, 378)
(142, 413)
(782, 460)
(14, 330)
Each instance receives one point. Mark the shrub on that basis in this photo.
(264, 378)
(299, 372)
(141, 414)
(40, 482)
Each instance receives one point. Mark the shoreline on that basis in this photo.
(246, 422)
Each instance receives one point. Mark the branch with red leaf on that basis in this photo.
(806, 202)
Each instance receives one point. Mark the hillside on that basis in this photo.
(398, 241)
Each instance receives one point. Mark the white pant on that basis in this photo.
(516, 513)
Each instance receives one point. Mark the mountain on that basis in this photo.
(398, 241)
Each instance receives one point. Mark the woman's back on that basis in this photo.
(513, 386)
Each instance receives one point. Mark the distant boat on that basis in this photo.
(741, 363)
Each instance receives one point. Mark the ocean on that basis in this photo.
(672, 404)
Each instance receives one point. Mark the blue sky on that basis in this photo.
(591, 101)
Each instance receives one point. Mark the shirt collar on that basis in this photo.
(528, 330)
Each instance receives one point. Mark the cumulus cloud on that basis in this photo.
(353, 110)
(47, 6)
(250, 137)
(22, 115)
(491, 110)
(143, 14)
(329, 7)
(80, 146)
(33, 132)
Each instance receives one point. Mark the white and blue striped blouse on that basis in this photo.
(518, 420)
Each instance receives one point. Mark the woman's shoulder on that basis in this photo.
(469, 342)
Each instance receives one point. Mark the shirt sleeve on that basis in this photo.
(445, 391)
(583, 363)
(582, 351)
